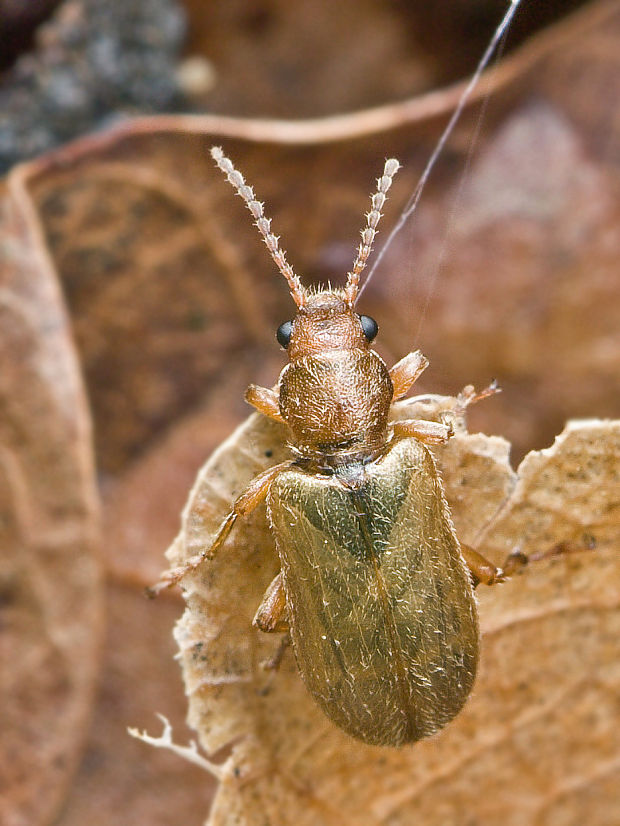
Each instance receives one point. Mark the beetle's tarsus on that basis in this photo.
(173, 576)
(469, 396)
(516, 561)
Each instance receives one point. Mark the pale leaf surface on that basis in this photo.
(536, 742)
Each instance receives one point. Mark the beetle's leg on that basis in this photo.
(264, 400)
(431, 433)
(517, 560)
(406, 371)
(252, 496)
(468, 396)
(273, 663)
(480, 568)
(484, 571)
(271, 614)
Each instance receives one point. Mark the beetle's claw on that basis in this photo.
(167, 580)
(514, 563)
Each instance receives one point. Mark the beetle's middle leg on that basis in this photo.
(252, 496)
(469, 396)
(428, 432)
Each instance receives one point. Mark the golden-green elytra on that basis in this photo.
(374, 590)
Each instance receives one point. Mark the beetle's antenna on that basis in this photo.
(235, 178)
(370, 230)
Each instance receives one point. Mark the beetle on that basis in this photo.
(375, 591)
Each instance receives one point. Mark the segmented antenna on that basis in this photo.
(235, 178)
(370, 230)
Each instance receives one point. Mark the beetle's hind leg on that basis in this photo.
(516, 561)
(272, 617)
(273, 663)
(481, 569)
(484, 571)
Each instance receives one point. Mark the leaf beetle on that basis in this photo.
(375, 591)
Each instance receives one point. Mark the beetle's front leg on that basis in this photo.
(430, 433)
(264, 400)
(406, 371)
(252, 496)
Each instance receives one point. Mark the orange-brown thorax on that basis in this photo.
(335, 393)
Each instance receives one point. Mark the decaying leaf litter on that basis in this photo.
(288, 762)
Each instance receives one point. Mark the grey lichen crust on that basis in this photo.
(93, 60)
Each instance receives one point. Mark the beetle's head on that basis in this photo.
(326, 321)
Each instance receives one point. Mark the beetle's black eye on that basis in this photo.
(369, 326)
(283, 333)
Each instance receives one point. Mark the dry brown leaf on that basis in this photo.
(536, 744)
(169, 286)
(119, 781)
(51, 588)
(285, 60)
